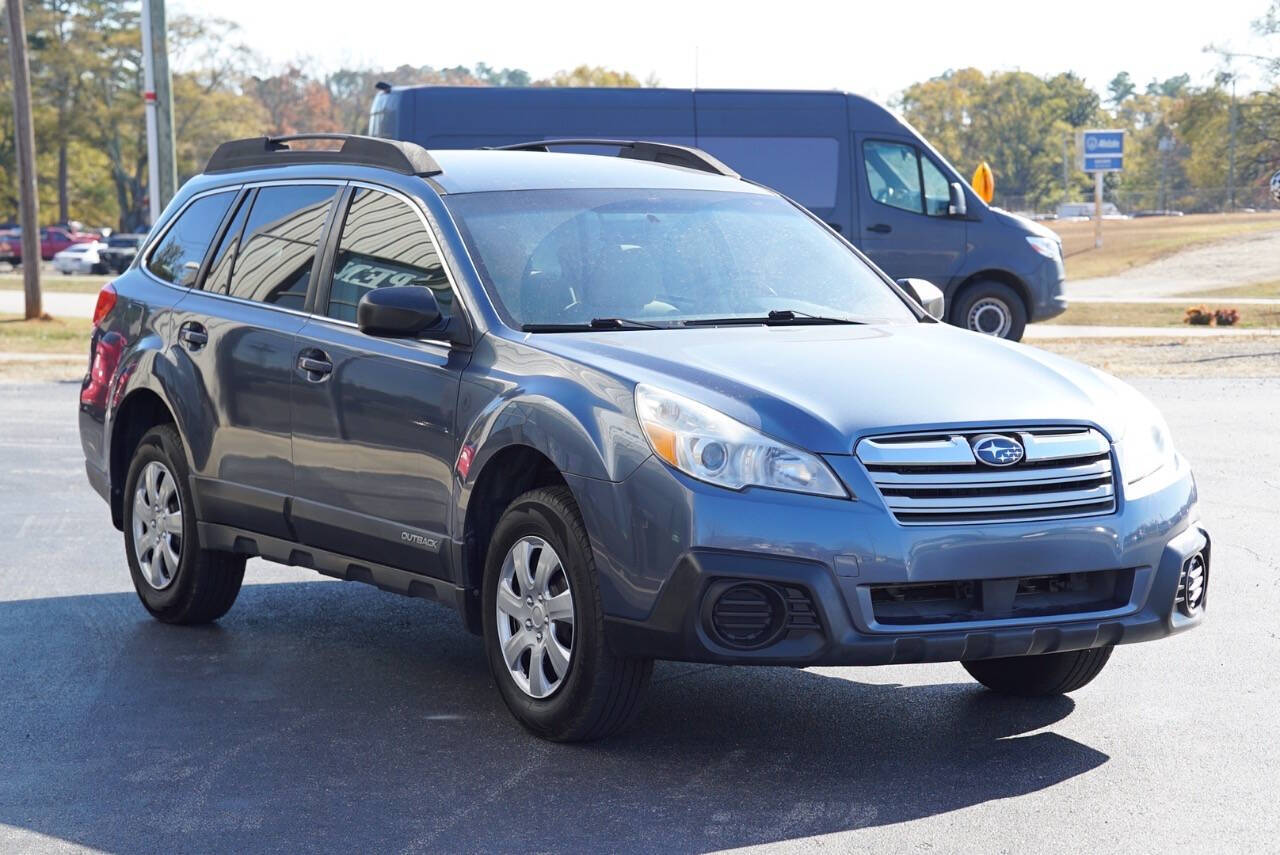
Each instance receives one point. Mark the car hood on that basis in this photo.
(823, 387)
(1021, 224)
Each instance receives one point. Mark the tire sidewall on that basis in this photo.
(161, 445)
(525, 517)
(997, 291)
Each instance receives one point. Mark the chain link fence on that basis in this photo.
(1147, 201)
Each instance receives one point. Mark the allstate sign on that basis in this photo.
(1101, 151)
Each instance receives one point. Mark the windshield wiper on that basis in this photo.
(594, 324)
(775, 317)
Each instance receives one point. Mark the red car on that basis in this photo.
(53, 240)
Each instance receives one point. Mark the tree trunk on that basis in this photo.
(64, 202)
(29, 201)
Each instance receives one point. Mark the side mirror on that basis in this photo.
(928, 295)
(398, 311)
(959, 206)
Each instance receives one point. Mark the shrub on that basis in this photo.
(1226, 317)
(1199, 316)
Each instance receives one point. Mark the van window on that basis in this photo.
(279, 244)
(937, 189)
(178, 256)
(804, 168)
(893, 174)
(384, 242)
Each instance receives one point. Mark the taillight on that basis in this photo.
(106, 302)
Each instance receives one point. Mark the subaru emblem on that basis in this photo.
(995, 449)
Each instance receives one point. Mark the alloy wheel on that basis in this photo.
(535, 617)
(157, 525)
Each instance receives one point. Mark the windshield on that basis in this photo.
(663, 257)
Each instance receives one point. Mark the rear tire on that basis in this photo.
(201, 584)
(598, 693)
(1040, 676)
(991, 308)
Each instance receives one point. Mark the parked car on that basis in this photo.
(10, 247)
(54, 239)
(857, 166)
(612, 410)
(81, 258)
(120, 251)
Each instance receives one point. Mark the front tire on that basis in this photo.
(991, 308)
(176, 579)
(544, 625)
(1040, 676)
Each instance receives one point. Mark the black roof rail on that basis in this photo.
(658, 152)
(404, 157)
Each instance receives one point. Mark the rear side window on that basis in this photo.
(278, 247)
(219, 278)
(178, 256)
(384, 242)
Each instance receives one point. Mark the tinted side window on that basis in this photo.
(219, 276)
(383, 242)
(178, 256)
(893, 174)
(937, 189)
(278, 248)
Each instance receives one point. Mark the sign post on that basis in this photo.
(1100, 151)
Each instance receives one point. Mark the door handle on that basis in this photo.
(880, 228)
(315, 364)
(193, 335)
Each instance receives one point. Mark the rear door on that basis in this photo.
(903, 211)
(235, 339)
(373, 437)
(795, 142)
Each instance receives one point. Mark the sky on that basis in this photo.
(875, 49)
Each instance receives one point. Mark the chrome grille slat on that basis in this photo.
(934, 479)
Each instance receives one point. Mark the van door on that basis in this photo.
(794, 142)
(903, 211)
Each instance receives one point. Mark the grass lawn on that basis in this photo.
(1256, 289)
(57, 282)
(1161, 314)
(1129, 243)
(59, 335)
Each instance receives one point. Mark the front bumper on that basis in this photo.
(1046, 285)
(663, 541)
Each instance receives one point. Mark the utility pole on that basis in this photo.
(29, 215)
(1231, 149)
(162, 172)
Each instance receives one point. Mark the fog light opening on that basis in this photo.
(747, 615)
(1193, 585)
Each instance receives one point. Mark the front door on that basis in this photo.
(373, 418)
(903, 213)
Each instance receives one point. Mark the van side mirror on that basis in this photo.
(928, 295)
(959, 206)
(398, 311)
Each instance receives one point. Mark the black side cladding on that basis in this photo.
(257, 152)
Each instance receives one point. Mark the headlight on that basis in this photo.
(708, 445)
(1146, 447)
(1046, 246)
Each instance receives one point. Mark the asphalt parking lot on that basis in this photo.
(332, 716)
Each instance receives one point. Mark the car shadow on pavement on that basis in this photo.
(336, 717)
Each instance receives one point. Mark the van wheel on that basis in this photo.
(992, 308)
(544, 626)
(177, 580)
(1040, 676)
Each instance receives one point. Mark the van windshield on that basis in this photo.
(663, 257)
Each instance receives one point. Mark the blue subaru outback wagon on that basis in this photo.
(615, 409)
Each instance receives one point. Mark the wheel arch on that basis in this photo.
(992, 274)
(506, 474)
(139, 411)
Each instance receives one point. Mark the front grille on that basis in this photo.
(958, 601)
(935, 479)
